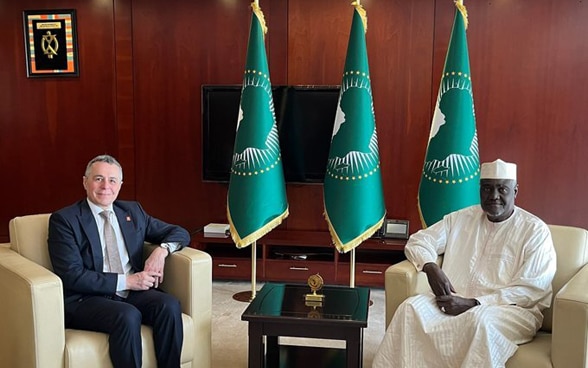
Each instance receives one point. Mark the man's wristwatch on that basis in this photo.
(166, 247)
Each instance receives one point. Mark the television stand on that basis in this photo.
(294, 255)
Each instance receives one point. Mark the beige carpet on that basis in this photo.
(229, 333)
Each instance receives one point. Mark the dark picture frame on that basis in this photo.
(51, 47)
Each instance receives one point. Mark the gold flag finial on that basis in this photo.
(259, 14)
(464, 13)
(362, 13)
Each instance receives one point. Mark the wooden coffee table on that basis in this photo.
(280, 310)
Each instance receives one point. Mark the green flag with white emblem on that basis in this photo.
(256, 200)
(451, 172)
(353, 193)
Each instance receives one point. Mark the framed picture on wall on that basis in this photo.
(51, 43)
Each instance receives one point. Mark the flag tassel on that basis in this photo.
(342, 248)
(464, 13)
(259, 14)
(362, 13)
(243, 242)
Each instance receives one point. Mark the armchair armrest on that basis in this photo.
(402, 280)
(570, 323)
(188, 277)
(31, 313)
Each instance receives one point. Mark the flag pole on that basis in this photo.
(352, 269)
(253, 269)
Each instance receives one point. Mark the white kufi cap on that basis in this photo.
(498, 170)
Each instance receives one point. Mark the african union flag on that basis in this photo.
(451, 172)
(256, 200)
(353, 193)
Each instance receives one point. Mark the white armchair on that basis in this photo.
(32, 332)
(562, 341)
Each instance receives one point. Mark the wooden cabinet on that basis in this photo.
(292, 256)
(298, 270)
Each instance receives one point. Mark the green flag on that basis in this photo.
(256, 201)
(451, 172)
(353, 193)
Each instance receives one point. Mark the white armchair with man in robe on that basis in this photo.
(489, 293)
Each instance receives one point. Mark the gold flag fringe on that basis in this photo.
(259, 14)
(254, 236)
(362, 13)
(421, 217)
(344, 248)
(462, 9)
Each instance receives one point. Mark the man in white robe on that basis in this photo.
(488, 295)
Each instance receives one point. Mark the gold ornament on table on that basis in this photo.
(316, 283)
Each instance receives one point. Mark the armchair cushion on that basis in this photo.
(32, 330)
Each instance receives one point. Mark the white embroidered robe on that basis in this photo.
(507, 266)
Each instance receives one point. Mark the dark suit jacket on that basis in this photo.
(76, 252)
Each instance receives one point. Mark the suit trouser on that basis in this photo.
(122, 319)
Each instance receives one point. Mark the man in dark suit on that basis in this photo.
(96, 248)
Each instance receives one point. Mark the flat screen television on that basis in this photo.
(304, 115)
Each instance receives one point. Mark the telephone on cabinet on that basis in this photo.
(393, 229)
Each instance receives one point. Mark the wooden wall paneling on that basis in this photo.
(176, 50)
(168, 44)
(400, 38)
(125, 118)
(50, 127)
(318, 33)
(276, 16)
(528, 60)
(306, 207)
